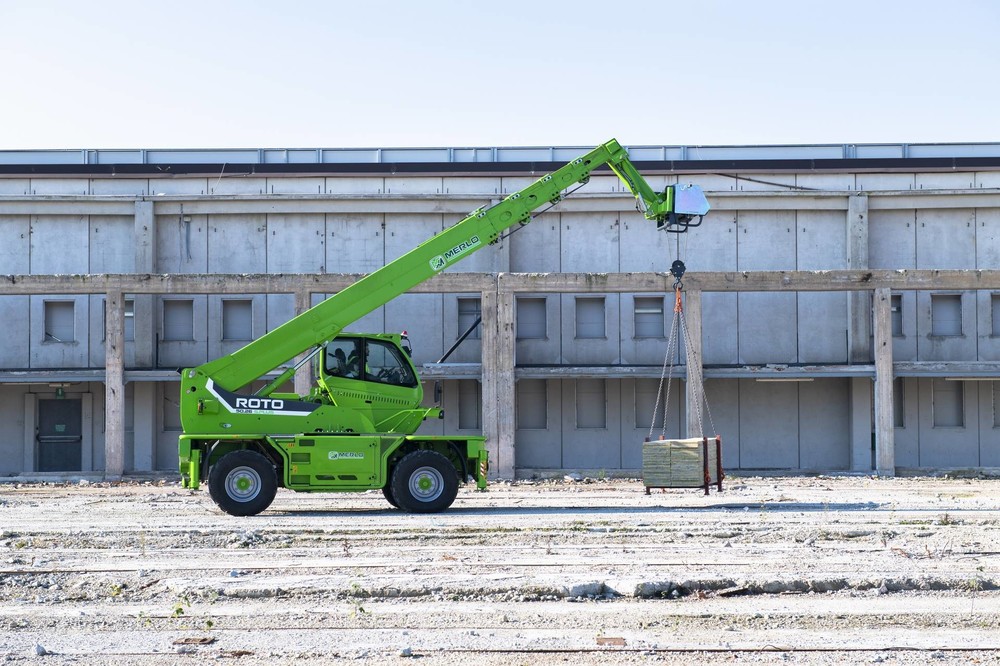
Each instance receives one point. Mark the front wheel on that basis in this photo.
(424, 482)
(387, 493)
(243, 483)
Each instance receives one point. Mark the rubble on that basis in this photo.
(102, 574)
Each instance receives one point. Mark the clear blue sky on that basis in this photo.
(215, 74)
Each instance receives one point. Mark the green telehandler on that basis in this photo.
(355, 430)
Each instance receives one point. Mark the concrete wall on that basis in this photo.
(790, 425)
(591, 424)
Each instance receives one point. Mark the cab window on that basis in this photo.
(343, 358)
(386, 365)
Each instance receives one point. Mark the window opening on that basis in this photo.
(469, 309)
(469, 404)
(995, 307)
(59, 321)
(171, 407)
(996, 404)
(590, 318)
(898, 402)
(896, 308)
(645, 404)
(532, 408)
(946, 314)
(591, 404)
(237, 319)
(948, 404)
(648, 317)
(531, 319)
(178, 320)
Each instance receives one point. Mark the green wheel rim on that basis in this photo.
(243, 484)
(426, 484)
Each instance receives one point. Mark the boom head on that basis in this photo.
(682, 204)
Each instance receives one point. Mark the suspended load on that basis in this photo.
(695, 462)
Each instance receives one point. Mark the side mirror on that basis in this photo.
(437, 392)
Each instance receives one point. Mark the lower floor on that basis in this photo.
(583, 424)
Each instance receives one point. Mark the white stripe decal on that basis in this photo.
(210, 386)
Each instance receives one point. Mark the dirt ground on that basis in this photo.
(815, 570)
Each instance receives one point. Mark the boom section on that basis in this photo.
(482, 227)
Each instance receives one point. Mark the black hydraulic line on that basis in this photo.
(461, 339)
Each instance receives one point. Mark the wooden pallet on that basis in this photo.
(682, 463)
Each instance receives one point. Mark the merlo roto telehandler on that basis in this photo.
(356, 430)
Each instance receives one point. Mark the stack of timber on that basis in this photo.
(682, 463)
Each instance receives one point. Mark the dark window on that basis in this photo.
(470, 401)
(590, 317)
(646, 391)
(648, 316)
(178, 320)
(59, 321)
(946, 314)
(469, 309)
(996, 404)
(898, 412)
(897, 315)
(171, 406)
(531, 404)
(948, 404)
(591, 404)
(237, 319)
(531, 319)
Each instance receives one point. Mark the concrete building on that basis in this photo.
(788, 366)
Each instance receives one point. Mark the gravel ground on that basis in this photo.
(811, 570)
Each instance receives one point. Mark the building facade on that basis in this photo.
(788, 376)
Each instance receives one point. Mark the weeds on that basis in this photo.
(183, 602)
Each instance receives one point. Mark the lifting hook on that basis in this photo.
(677, 270)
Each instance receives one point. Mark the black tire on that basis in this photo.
(242, 483)
(424, 482)
(389, 497)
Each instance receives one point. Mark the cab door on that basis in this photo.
(390, 380)
(373, 376)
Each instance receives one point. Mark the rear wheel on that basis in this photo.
(424, 482)
(243, 483)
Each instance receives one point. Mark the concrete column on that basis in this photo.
(498, 378)
(859, 302)
(145, 237)
(143, 313)
(114, 384)
(506, 396)
(30, 432)
(144, 426)
(885, 453)
(303, 376)
(861, 424)
(694, 403)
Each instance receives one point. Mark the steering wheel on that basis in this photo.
(385, 374)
